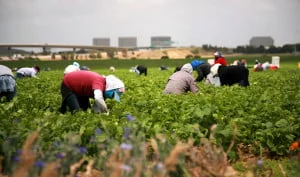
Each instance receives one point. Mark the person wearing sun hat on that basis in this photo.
(79, 86)
(181, 81)
(220, 59)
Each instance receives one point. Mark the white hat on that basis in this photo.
(76, 64)
(219, 54)
(71, 68)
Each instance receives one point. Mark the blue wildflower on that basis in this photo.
(98, 131)
(126, 146)
(129, 117)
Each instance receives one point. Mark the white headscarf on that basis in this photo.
(112, 82)
(187, 68)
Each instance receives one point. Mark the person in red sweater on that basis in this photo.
(79, 86)
(220, 59)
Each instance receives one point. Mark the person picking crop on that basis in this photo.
(7, 83)
(220, 59)
(79, 86)
(140, 69)
(28, 72)
(181, 81)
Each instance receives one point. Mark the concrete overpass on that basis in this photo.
(49, 46)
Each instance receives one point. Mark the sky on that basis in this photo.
(226, 23)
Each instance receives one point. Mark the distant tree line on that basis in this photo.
(287, 48)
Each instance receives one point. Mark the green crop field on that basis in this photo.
(264, 116)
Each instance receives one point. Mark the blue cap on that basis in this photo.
(196, 63)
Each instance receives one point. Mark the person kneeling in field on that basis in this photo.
(181, 81)
(28, 72)
(7, 83)
(78, 86)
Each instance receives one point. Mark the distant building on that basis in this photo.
(128, 42)
(105, 42)
(265, 41)
(161, 41)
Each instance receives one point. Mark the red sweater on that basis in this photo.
(221, 60)
(83, 83)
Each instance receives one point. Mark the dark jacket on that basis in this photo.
(142, 70)
(230, 75)
(203, 70)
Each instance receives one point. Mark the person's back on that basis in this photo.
(140, 69)
(181, 81)
(28, 72)
(7, 83)
(4, 70)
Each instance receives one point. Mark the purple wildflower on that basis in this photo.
(126, 146)
(39, 163)
(126, 167)
(60, 155)
(126, 132)
(159, 166)
(16, 158)
(19, 151)
(82, 150)
(129, 117)
(92, 139)
(260, 162)
(98, 131)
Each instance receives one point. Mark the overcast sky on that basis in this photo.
(189, 22)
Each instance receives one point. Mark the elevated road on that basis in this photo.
(48, 46)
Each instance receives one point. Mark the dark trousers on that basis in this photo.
(72, 101)
(19, 75)
(8, 95)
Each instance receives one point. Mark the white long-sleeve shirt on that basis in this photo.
(29, 72)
